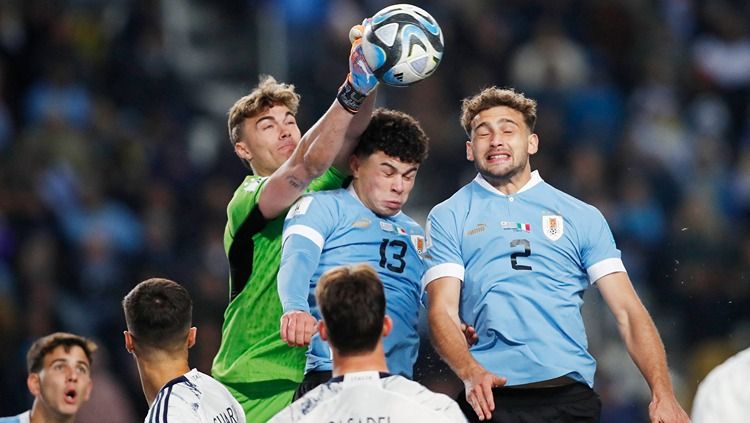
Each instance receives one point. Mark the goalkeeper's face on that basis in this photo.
(383, 183)
(501, 144)
(268, 139)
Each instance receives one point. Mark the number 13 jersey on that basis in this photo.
(333, 228)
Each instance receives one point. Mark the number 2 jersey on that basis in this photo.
(525, 260)
(333, 228)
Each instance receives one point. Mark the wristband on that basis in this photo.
(349, 98)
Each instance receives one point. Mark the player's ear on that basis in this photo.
(128, 341)
(241, 150)
(87, 391)
(533, 144)
(323, 331)
(34, 384)
(354, 164)
(387, 325)
(192, 334)
(469, 151)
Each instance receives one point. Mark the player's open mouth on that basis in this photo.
(499, 156)
(70, 396)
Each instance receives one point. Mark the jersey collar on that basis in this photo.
(351, 191)
(535, 179)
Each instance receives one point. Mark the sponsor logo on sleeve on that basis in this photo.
(300, 207)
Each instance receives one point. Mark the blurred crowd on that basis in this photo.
(115, 165)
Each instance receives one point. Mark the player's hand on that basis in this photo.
(360, 74)
(297, 328)
(479, 392)
(666, 410)
(470, 334)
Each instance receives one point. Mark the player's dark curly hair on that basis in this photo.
(396, 134)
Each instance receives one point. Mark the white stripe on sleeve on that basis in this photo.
(604, 268)
(442, 270)
(306, 232)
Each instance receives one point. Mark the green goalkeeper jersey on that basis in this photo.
(251, 349)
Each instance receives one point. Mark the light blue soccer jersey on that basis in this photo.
(525, 260)
(333, 228)
(21, 418)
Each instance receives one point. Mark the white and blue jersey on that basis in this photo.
(21, 418)
(333, 228)
(194, 397)
(369, 396)
(525, 260)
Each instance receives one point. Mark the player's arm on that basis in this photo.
(299, 260)
(333, 137)
(644, 345)
(305, 229)
(450, 342)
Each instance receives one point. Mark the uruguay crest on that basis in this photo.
(419, 244)
(552, 226)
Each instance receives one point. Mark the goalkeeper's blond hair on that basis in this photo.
(267, 94)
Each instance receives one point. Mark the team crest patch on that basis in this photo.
(552, 226)
(418, 241)
(300, 207)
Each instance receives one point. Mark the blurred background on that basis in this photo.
(115, 165)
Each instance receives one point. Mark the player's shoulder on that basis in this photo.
(569, 204)
(319, 396)
(407, 220)
(421, 396)
(247, 191)
(735, 367)
(317, 203)
(20, 418)
(459, 202)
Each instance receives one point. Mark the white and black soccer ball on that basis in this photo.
(403, 45)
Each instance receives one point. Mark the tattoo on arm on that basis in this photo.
(294, 182)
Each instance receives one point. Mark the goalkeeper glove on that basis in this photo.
(360, 81)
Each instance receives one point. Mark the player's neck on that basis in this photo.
(371, 361)
(157, 371)
(41, 414)
(512, 184)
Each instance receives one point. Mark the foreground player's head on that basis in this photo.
(262, 125)
(159, 315)
(352, 303)
(59, 367)
(385, 163)
(500, 124)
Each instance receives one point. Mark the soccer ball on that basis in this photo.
(403, 45)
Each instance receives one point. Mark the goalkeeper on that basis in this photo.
(257, 367)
